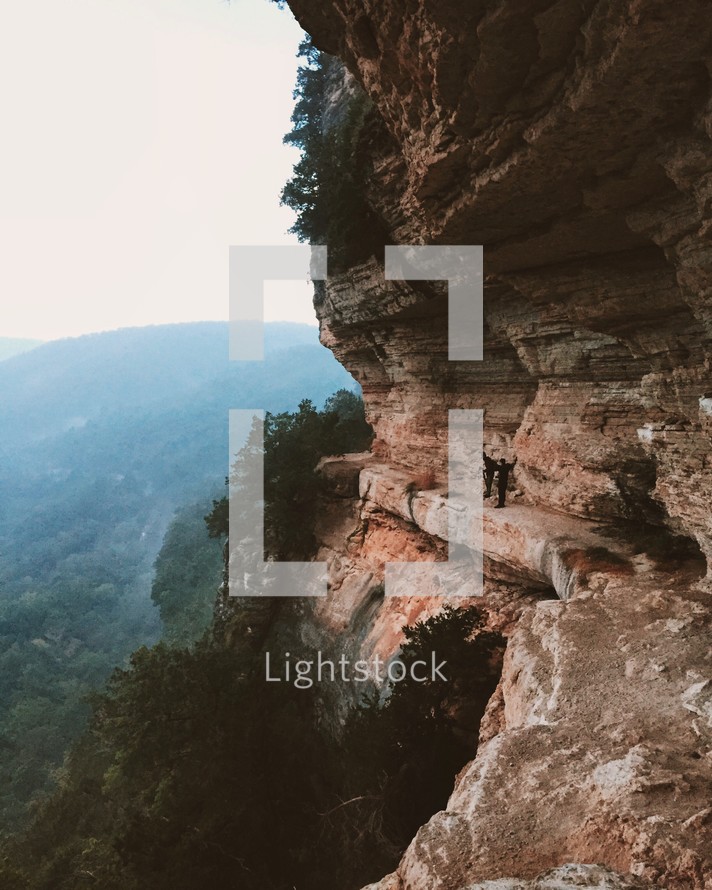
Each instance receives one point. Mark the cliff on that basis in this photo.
(573, 141)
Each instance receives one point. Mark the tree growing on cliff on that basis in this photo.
(294, 442)
(194, 772)
(403, 753)
(188, 570)
(328, 185)
(197, 773)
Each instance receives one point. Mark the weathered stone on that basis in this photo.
(567, 877)
(573, 140)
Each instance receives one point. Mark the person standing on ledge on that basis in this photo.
(488, 471)
(503, 471)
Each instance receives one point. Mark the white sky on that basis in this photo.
(139, 139)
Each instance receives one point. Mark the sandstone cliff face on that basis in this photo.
(573, 140)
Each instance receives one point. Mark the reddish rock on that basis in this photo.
(574, 141)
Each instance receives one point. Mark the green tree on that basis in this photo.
(327, 187)
(404, 752)
(188, 574)
(294, 442)
(197, 773)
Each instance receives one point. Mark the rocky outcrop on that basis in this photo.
(574, 141)
(598, 744)
(592, 877)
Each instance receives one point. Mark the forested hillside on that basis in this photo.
(101, 439)
(197, 773)
(188, 574)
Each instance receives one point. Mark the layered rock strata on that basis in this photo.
(572, 140)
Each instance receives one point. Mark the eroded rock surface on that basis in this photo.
(573, 140)
(568, 877)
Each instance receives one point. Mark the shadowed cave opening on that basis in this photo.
(668, 550)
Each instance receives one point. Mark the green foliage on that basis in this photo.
(101, 438)
(188, 574)
(294, 442)
(327, 188)
(405, 752)
(218, 520)
(350, 432)
(195, 772)
(57, 643)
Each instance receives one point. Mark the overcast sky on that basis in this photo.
(140, 138)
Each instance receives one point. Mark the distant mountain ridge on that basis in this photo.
(64, 383)
(10, 346)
